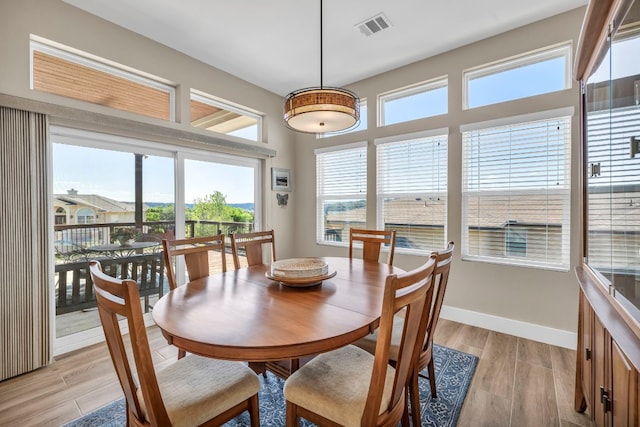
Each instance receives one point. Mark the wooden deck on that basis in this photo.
(70, 323)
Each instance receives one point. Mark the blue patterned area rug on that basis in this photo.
(454, 370)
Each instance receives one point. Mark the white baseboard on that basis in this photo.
(77, 341)
(517, 328)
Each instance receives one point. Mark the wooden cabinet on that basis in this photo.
(585, 353)
(608, 352)
(622, 399)
(607, 358)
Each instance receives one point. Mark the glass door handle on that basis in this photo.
(634, 146)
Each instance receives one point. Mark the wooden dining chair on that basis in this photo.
(196, 252)
(194, 390)
(252, 244)
(372, 242)
(425, 358)
(441, 279)
(350, 386)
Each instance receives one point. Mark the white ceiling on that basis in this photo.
(275, 44)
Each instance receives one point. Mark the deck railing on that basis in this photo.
(74, 288)
(76, 237)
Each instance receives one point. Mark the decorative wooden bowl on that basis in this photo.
(300, 272)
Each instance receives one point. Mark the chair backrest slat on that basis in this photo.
(196, 253)
(441, 278)
(252, 244)
(372, 243)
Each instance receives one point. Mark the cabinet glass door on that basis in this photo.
(613, 163)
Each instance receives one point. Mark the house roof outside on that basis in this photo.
(617, 212)
(97, 202)
(527, 210)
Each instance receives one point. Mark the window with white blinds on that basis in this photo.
(516, 191)
(341, 192)
(412, 189)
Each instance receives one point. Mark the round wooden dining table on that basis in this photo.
(244, 315)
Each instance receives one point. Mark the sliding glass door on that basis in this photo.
(115, 199)
(219, 198)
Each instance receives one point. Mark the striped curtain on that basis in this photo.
(25, 324)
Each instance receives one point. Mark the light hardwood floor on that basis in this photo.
(517, 382)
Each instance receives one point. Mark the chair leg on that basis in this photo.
(414, 395)
(294, 366)
(432, 378)
(405, 414)
(254, 411)
(259, 368)
(292, 419)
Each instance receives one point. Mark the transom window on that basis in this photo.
(412, 189)
(414, 102)
(68, 72)
(533, 73)
(516, 190)
(214, 114)
(341, 192)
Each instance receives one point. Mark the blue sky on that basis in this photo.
(111, 174)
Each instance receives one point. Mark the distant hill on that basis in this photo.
(245, 206)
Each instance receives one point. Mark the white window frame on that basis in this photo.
(528, 58)
(321, 195)
(40, 44)
(565, 192)
(215, 101)
(381, 196)
(414, 89)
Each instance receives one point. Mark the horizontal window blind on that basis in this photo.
(412, 191)
(613, 202)
(516, 194)
(341, 192)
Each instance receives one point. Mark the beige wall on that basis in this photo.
(59, 22)
(540, 297)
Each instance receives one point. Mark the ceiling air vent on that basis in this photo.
(374, 25)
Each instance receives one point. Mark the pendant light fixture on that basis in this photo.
(321, 109)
